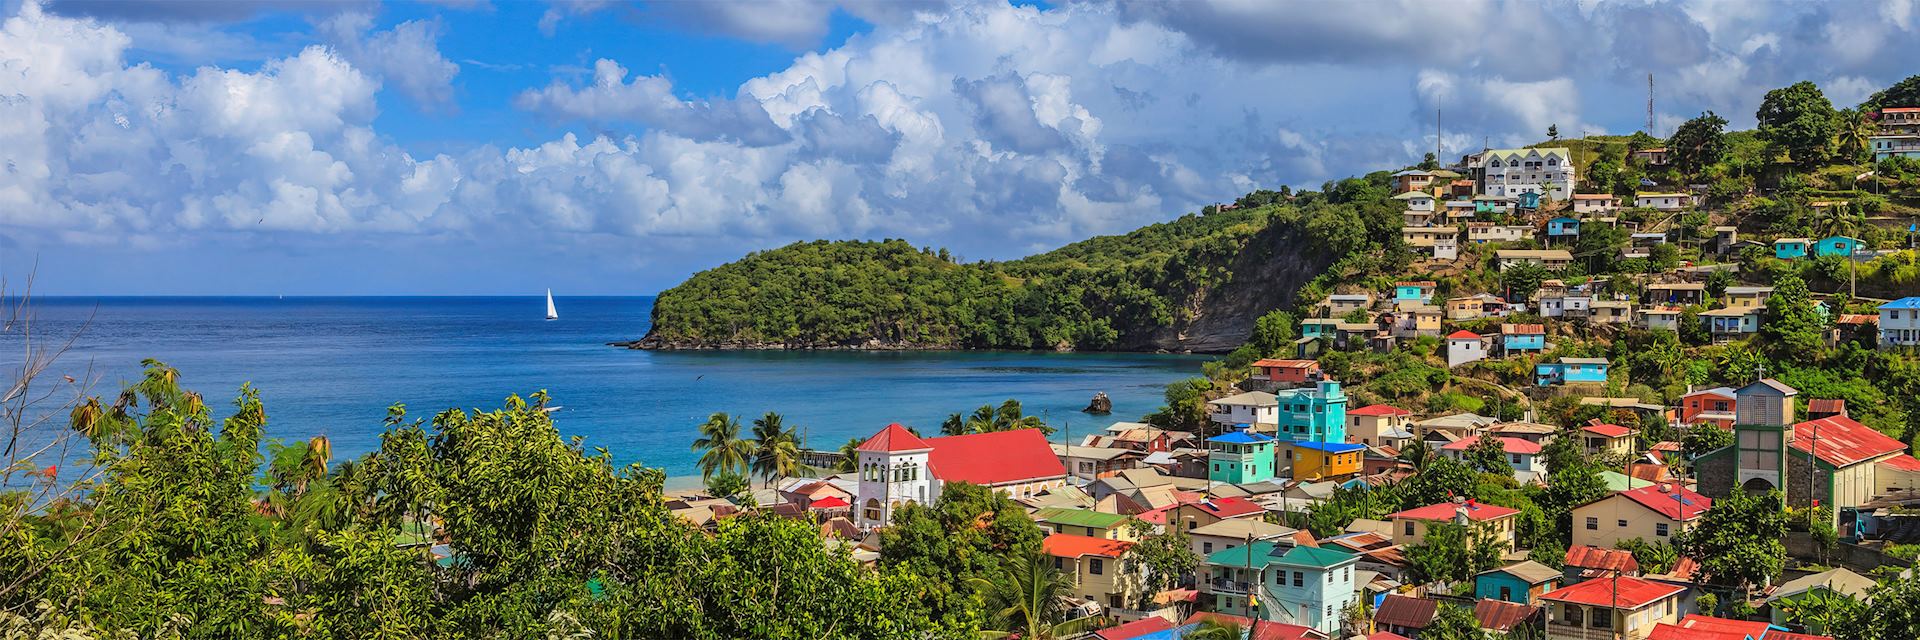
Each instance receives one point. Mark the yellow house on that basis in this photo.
(1085, 522)
(1653, 513)
(1372, 424)
(1321, 460)
(1608, 439)
(1101, 574)
(1624, 607)
(1410, 526)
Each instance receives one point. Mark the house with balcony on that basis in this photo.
(1663, 201)
(1417, 237)
(1257, 409)
(1626, 608)
(1497, 522)
(1235, 532)
(1523, 338)
(1240, 457)
(1563, 228)
(1594, 203)
(1456, 211)
(1571, 371)
(1089, 462)
(1299, 585)
(1445, 247)
(1654, 513)
(1675, 293)
(1309, 414)
(1523, 454)
(1511, 172)
(1488, 204)
(1667, 318)
(1842, 246)
(1412, 180)
(1286, 372)
(1414, 292)
(1640, 245)
(1316, 328)
(1897, 135)
(1900, 323)
(1100, 575)
(1551, 259)
(1521, 582)
(1732, 323)
(1485, 232)
(1790, 248)
(1708, 407)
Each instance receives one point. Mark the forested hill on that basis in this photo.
(1194, 283)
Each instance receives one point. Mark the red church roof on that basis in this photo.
(1000, 457)
(1843, 441)
(895, 438)
(1379, 410)
(1632, 593)
(1672, 503)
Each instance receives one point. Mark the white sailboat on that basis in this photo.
(551, 313)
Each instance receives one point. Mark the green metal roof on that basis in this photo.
(1617, 481)
(1079, 517)
(1315, 557)
(1237, 556)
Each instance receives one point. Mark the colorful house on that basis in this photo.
(1842, 246)
(1298, 585)
(1616, 607)
(1790, 248)
(1522, 338)
(1731, 322)
(1708, 406)
(1607, 439)
(1084, 522)
(1595, 202)
(1529, 200)
(1570, 370)
(1415, 291)
(1289, 372)
(1098, 573)
(1653, 513)
(1521, 582)
(1240, 457)
(1410, 526)
(1377, 424)
(1322, 460)
(1310, 414)
(1900, 323)
(1563, 227)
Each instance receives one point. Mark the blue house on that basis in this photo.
(1310, 414)
(1790, 248)
(1529, 200)
(1521, 582)
(1567, 370)
(1306, 586)
(1519, 338)
(1842, 246)
(1563, 227)
(1319, 327)
(1420, 292)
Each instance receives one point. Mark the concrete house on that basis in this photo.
(1457, 211)
(1233, 533)
(1310, 414)
(1708, 406)
(1446, 247)
(1306, 586)
(1898, 134)
(1255, 408)
(1414, 291)
(1425, 236)
(1562, 228)
(1747, 297)
(1523, 454)
(1841, 246)
(1663, 201)
(1085, 522)
(1489, 204)
(1510, 172)
(1410, 526)
(1667, 318)
(1341, 304)
(1099, 574)
(1732, 322)
(1653, 514)
(1287, 372)
(1240, 457)
(1900, 323)
(1379, 423)
(1571, 370)
(1485, 232)
(1552, 259)
(1610, 312)
(1675, 293)
(1790, 248)
(1412, 180)
(1326, 460)
(1626, 607)
(1465, 346)
(1413, 320)
(1585, 203)
(1523, 338)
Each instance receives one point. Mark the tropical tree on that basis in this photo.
(723, 448)
(1738, 541)
(1451, 553)
(1820, 610)
(1216, 629)
(849, 456)
(1167, 558)
(1027, 597)
(1698, 143)
(1452, 622)
(1854, 128)
(776, 449)
(1799, 121)
(1488, 455)
(988, 418)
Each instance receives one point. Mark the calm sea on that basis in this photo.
(332, 365)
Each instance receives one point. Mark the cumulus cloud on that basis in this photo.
(406, 57)
(609, 97)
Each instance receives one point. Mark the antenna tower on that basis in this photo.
(1650, 105)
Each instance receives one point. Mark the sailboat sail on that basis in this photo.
(551, 313)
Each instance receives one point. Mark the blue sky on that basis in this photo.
(475, 147)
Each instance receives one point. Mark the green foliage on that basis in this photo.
(1452, 553)
(1452, 622)
(1488, 455)
(1800, 121)
(1026, 596)
(1186, 408)
(1167, 558)
(1653, 557)
(988, 419)
(727, 484)
(1702, 439)
(1791, 328)
(1698, 143)
(970, 533)
(1896, 612)
(1738, 541)
(1522, 280)
(1905, 93)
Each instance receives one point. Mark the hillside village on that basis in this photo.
(1562, 425)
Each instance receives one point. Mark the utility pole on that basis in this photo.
(1436, 136)
(1650, 104)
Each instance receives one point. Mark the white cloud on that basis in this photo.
(649, 99)
(406, 57)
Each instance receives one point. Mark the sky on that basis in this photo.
(476, 147)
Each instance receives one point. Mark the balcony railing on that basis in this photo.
(1223, 585)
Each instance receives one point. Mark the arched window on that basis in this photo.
(872, 509)
(1496, 164)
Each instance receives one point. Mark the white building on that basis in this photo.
(1465, 346)
(1900, 323)
(1662, 201)
(1252, 407)
(1511, 172)
(1595, 202)
(896, 468)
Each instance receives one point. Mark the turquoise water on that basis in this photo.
(332, 365)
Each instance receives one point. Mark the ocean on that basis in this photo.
(333, 365)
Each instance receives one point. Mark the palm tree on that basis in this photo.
(1417, 453)
(1028, 598)
(1852, 137)
(776, 449)
(954, 425)
(849, 456)
(1212, 629)
(724, 450)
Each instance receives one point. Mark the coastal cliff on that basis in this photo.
(1196, 284)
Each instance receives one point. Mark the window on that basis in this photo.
(1191, 525)
(1095, 566)
(1409, 527)
(1059, 563)
(1660, 529)
(1506, 593)
(1346, 574)
(1329, 577)
(1299, 578)
(1622, 524)
(1593, 524)
(1206, 547)
(1113, 601)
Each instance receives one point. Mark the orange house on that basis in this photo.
(1298, 372)
(1708, 406)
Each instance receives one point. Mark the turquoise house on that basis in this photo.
(1419, 292)
(1240, 457)
(1313, 414)
(1319, 327)
(1521, 582)
(1529, 200)
(1790, 248)
(1842, 246)
(1517, 338)
(1563, 227)
(1567, 370)
(1306, 586)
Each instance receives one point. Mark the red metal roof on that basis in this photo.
(1648, 471)
(1404, 611)
(1387, 635)
(1608, 430)
(1134, 629)
(1664, 631)
(1478, 512)
(1000, 457)
(896, 438)
(1463, 334)
(1827, 405)
(829, 502)
(1499, 615)
(1843, 441)
(1666, 445)
(1675, 503)
(1900, 110)
(1591, 557)
(1287, 364)
(1379, 410)
(1522, 329)
(1632, 593)
(1903, 463)
(1787, 635)
(1072, 546)
(1265, 630)
(1748, 628)
(1507, 444)
(1229, 507)
(1223, 618)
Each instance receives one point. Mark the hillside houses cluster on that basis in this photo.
(1271, 455)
